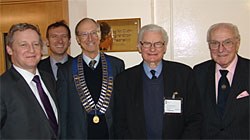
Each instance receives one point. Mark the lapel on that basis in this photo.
(47, 80)
(24, 89)
(49, 85)
(138, 102)
(168, 77)
(211, 87)
(47, 67)
(236, 87)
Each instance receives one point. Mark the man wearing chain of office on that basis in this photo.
(85, 87)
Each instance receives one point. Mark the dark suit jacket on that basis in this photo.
(129, 116)
(45, 65)
(21, 114)
(235, 122)
(74, 116)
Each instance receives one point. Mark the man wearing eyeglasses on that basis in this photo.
(85, 87)
(156, 99)
(223, 83)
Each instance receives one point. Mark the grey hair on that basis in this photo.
(21, 27)
(152, 28)
(229, 26)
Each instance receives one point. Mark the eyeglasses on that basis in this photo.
(149, 44)
(85, 35)
(214, 45)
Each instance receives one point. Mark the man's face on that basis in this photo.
(58, 40)
(88, 37)
(154, 54)
(227, 46)
(25, 51)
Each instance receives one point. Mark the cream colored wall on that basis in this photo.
(186, 22)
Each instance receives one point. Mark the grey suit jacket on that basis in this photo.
(129, 116)
(21, 115)
(235, 122)
(74, 117)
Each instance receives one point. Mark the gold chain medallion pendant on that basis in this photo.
(96, 119)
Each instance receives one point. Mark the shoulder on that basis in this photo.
(113, 58)
(204, 65)
(131, 72)
(243, 60)
(44, 63)
(175, 66)
(115, 61)
(45, 60)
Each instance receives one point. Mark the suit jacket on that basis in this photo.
(74, 118)
(129, 116)
(45, 65)
(235, 122)
(21, 114)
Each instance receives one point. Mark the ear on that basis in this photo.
(139, 48)
(46, 42)
(9, 50)
(78, 41)
(237, 45)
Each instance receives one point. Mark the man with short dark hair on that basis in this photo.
(58, 41)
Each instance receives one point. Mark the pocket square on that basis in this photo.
(242, 94)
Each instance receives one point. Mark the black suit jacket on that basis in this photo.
(235, 122)
(129, 117)
(74, 117)
(45, 65)
(21, 114)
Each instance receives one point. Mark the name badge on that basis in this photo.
(172, 105)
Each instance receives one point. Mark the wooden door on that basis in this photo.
(38, 12)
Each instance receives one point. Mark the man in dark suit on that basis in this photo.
(226, 114)
(28, 105)
(58, 41)
(156, 99)
(85, 87)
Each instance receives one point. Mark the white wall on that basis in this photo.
(186, 22)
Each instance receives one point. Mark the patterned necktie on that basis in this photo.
(92, 64)
(223, 91)
(46, 104)
(153, 74)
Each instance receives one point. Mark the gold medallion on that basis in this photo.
(96, 119)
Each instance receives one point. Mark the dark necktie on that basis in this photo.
(58, 64)
(223, 91)
(153, 74)
(92, 64)
(46, 104)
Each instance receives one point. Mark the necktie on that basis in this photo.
(223, 91)
(46, 104)
(153, 74)
(92, 64)
(58, 66)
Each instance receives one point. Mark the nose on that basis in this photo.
(31, 48)
(60, 39)
(152, 48)
(221, 47)
(89, 37)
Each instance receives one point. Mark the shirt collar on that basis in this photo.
(28, 76)
(53, 61)
(147, 69)
(230, 68)
(87, 59)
